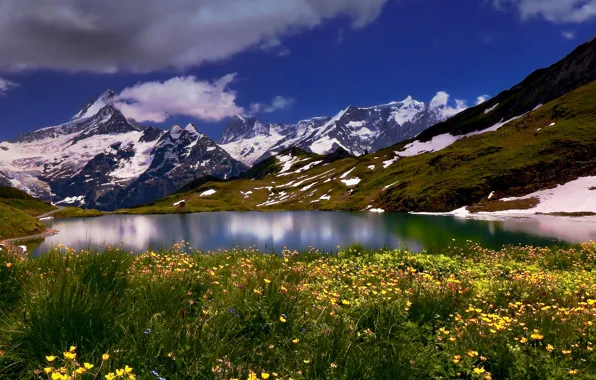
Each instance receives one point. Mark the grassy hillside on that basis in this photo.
(17, 213)
(75, 212)
(551, 145)
(16, 223)
(470, 313)
(540, 87)
(20, 200)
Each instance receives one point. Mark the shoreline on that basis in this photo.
(12, 246)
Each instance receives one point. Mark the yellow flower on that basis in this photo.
(282, 319)
(573, 371)
(120, 372)
(264, 375)
(110, 376)
(472, 353)
(70, 355)
(523, 340)
(295, 341)
(267, 281)
(456, 359)
(81, 370)
(127, 369)
(345, 302)
(549, 347)
(72, 348)
(252, 376)
(479, 370)
(56, 376)
(48, 369)
(105, 356)
(132, 377)
(536, 336)
(50, 358)
(88, 365)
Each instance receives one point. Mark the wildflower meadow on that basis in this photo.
(457, 313)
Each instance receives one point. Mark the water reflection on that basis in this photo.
(299, 230)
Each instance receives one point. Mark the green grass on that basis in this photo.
(355, 314)
(20, 200)
(16, 223)
(75, 212)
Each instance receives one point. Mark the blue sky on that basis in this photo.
(356, 52)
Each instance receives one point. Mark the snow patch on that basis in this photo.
(491, 108)
(351, 182)
(371, 167)
(308, 186)
(377, 210)
(71, 200)
(391, 185)
(347, 173)
(388, 163)
(573, 196)
(179, 203)
(207, 193)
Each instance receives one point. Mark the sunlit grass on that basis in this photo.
(519, 313)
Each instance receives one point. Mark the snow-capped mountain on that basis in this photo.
(93, 108)
(99, 159)
(355, 129)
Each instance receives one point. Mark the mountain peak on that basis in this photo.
(190, 127)
(176, 131)
(93, 107)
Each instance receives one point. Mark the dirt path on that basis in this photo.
(48, 214)
(12, 244)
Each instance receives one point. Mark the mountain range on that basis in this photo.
(531, 149)
(355, 129)
(99, 159)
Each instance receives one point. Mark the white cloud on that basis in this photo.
(568, 34)
(6, 85)
(559, 11)
(278, 103)
(186, 96)
(481, 99)
(147, 35)
(441, 102)
(274, 45)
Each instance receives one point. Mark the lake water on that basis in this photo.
(272, 231)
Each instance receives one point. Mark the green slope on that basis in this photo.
(515, 160)
(540, 87)
(20, 200)
(17, 213)
(16, 223)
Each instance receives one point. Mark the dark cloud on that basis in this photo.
(145, 35)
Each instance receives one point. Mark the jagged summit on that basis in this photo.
(92, 107)
(355, 129)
